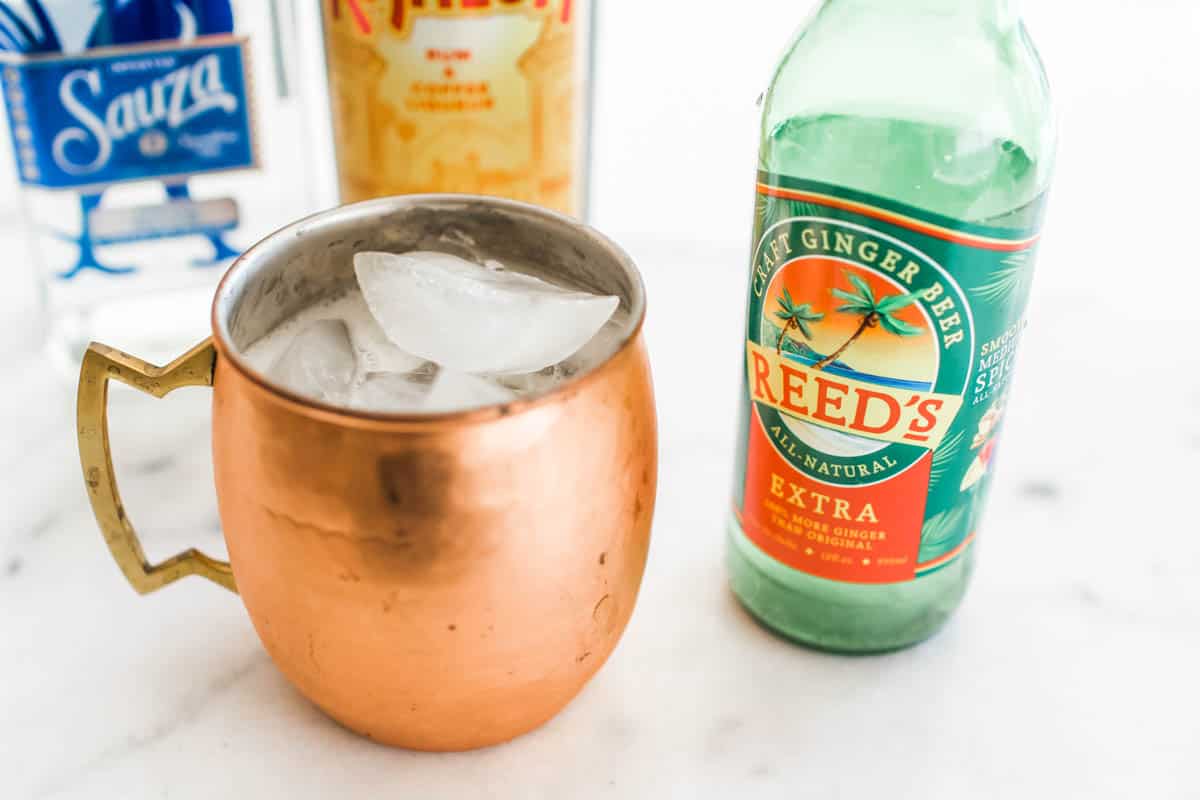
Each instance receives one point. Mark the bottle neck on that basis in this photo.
(998, 13)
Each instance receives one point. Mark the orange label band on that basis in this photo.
(855, 534)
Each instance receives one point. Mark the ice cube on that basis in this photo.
(471, 318)
(374, 350)
(601, 346)
(458, 391)
(534, 383)
(266, 351)
(598, 349)
(319, 363)
(393, 392)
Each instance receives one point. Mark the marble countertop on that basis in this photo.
(1069, 672)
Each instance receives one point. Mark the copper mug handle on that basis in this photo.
(100, 365)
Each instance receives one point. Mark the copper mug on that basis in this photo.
(438, 582)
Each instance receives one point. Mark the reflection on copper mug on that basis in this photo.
(437, 582)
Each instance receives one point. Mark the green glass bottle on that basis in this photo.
(906, 151)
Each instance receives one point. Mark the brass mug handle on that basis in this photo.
(100, 365)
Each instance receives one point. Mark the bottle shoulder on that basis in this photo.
(919, 70)
(952, 118)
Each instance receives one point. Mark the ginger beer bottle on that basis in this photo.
(906, 152)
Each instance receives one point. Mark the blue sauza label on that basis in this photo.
(108, 116)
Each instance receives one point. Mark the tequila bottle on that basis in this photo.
(906, 151)
(155, 140)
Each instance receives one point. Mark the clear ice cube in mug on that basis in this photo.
(429, 332)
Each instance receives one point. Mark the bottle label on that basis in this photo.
(475, 97)
(113, 115)
(879, 349)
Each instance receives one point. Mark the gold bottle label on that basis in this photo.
(472, 96)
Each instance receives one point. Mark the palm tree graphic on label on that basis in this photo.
(875, 313)
(795, 317)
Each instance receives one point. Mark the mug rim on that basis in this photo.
(260, 252)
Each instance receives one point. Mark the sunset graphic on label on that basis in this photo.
(848, 352)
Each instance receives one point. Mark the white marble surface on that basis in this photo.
(1070, 672)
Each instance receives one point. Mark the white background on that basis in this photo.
(675, 107)
(676, 86)
(1070, 671)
